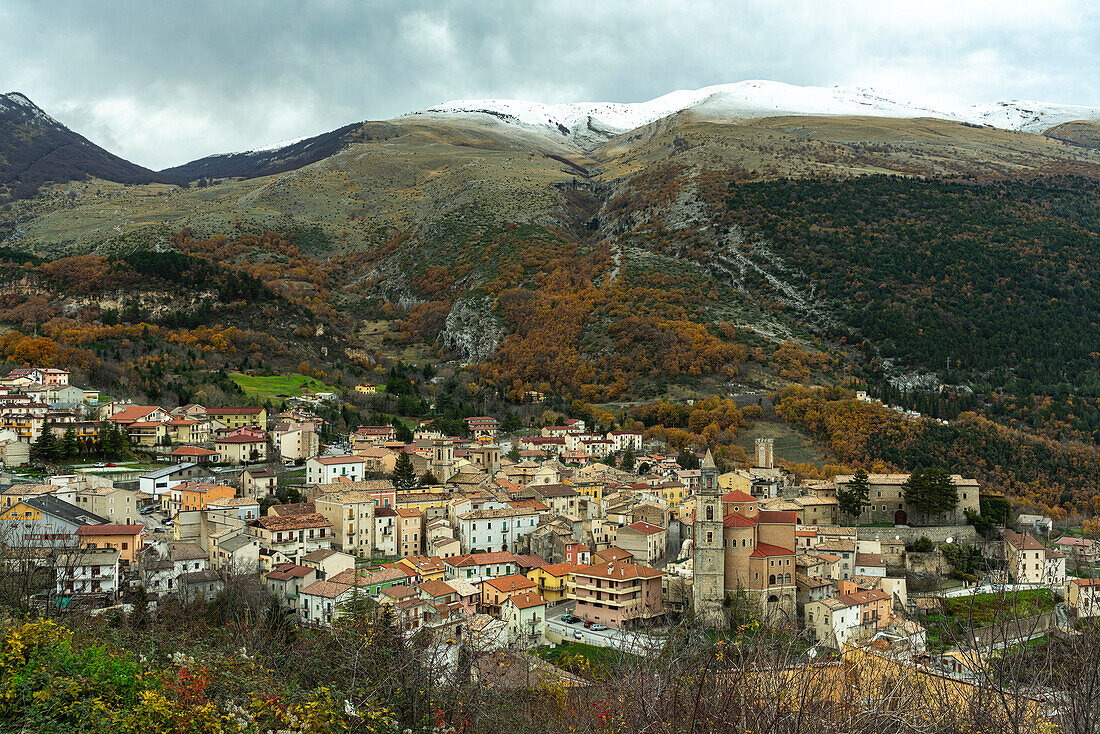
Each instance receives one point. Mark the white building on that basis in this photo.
(161, 481)
(525, 615)
(495, 530)
(327, 469)
(319, 602)
(386, 530)
(89, 571)
(623, 440)
(296, 444)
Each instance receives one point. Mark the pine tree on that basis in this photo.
(687, 459)
(46, 447)
(609, 459)
(513, 453)
(942, 494)
(916, 493)
(68, 448)
(627, 460)
(404, 476)
(139, 616)
(427, 479)
(852, 498)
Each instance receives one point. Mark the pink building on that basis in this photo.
(618, 594)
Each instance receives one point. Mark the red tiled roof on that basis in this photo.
(527, 599)
(764, 550)
(780, 517)
(285, 571)
(110, 529)
(294, 522)
(192, 451)
(337, 460)
(645, 527)
(618, 570)
(1022, 541)
(480, 559)
(735, 520)
(240, 439)
(738, 496)
(135, 412)
(612, 553)
(514, 582)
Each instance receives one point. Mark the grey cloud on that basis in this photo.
(161, 83)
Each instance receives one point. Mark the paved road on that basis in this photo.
(627, 641)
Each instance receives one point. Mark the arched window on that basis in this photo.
(710, 513)
(771, 580)
(773, 599)
(710, 537)
(787, 579)
(743, 542)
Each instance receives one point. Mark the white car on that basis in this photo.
(578, 634)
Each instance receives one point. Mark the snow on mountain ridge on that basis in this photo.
(595, 122)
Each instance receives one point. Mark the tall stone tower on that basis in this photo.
(709, 560)
(443, 459)
(765, 457)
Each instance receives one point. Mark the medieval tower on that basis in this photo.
(709, 557)
(443, 459)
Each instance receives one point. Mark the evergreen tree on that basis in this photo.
(427, 479)
(853, 498)
(139, 616)
(403, 433)
(68, 448)
(943, 494)
(510, 423)
(687, 459)
(46, 447)
(404, 476)
(513, 453)
(627, 460)
(609, 459)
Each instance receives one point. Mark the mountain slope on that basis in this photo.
(36, 149)
(277, 158)
(592, 123)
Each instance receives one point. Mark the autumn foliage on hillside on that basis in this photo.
(1052, 476)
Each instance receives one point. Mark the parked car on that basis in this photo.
(570, 619)
(599, 627)
(578, 634)
(588, 623)
(158, 530)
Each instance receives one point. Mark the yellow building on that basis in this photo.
(554, 581)
(430, 568)
(239, 417)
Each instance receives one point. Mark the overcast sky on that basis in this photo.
(163, 83)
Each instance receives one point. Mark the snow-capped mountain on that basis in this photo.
(16, 103)
(591, 123)
(36, 149)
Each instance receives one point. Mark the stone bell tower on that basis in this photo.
(709, 557)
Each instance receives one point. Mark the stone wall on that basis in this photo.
(933, 564)
(938, 534)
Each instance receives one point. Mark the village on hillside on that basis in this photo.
(519, 542)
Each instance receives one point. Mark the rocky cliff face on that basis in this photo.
(472, 329)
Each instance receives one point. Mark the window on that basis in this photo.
(710, 513)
